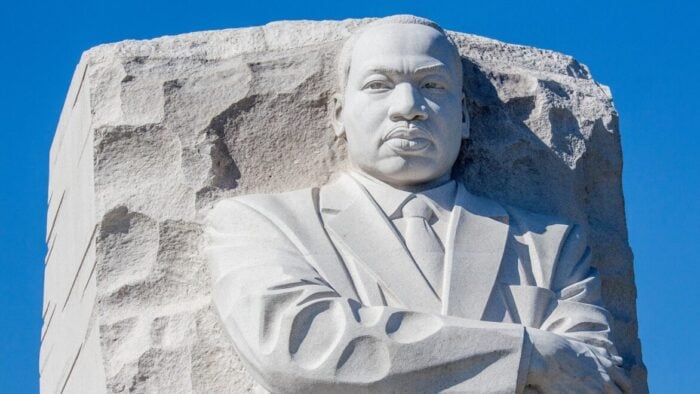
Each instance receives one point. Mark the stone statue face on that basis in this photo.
(403, 110)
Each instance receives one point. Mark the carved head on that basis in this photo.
(401, 106)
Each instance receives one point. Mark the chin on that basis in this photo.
(412, 179)
(407, 174)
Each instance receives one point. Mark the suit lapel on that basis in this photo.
(545, 250)
(475, 246)
(354, 219)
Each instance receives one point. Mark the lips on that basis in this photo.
(408, 139)
(405, 144)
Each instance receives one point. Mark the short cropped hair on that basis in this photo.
(344, 57)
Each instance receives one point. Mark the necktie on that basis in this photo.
(421, 241)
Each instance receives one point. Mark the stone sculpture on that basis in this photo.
(155, 132)
(394, 277)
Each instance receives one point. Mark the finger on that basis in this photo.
(619, 376)
(608, 385)
(611, 388)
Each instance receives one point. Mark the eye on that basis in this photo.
(433, 85)
(376, 85)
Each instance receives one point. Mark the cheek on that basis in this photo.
(448, 113)
(434, 105)
(364, 114)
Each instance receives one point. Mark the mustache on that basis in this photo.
(407, 131)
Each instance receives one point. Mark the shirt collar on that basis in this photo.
(391, 200)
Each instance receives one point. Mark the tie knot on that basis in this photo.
(416, 207)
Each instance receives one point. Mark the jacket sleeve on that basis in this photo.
(578, 313)
(297, 334)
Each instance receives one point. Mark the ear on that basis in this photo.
(465, 118)
(337, 110)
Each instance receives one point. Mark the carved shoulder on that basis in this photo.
(276, 207)
(557, 246)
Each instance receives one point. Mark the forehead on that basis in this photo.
(400, 46)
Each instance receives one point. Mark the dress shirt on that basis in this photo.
(391, 200)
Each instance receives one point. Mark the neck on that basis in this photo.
(411, 187)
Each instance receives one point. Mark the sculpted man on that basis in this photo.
(395, 278)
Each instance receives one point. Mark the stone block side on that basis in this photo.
(154, 132)
(126, 298)
(70, 354)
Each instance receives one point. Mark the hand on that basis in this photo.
(560, 365)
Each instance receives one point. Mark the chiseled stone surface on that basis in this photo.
(154, 132)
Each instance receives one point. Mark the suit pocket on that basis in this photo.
(529, 305)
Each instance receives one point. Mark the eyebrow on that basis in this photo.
(432, 68)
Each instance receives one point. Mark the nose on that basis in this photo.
(407, 104)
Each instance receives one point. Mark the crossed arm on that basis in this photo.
(297, 334)
(572, 350)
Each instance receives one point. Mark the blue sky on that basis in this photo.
(647, 52)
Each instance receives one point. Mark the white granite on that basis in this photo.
(155, 132)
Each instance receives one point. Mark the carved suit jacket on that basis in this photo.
(319, 293)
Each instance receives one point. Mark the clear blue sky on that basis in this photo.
(647, 52)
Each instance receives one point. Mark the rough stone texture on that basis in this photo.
(153, 132)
